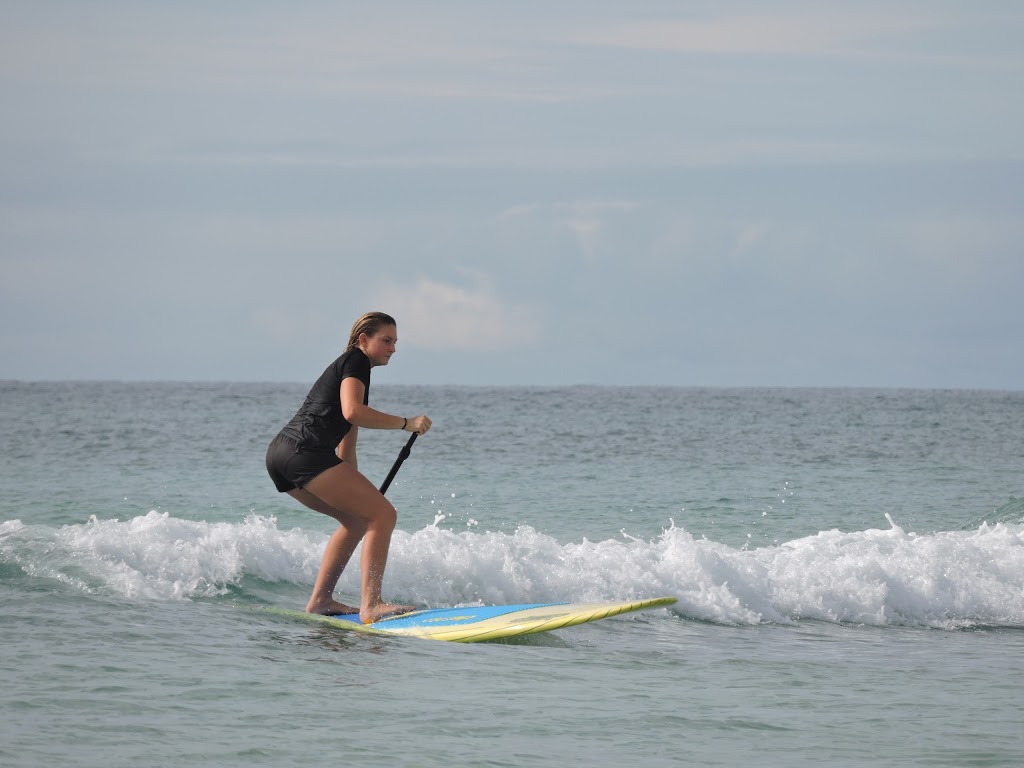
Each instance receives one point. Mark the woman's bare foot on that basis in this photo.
(382, 611)
(331, 608)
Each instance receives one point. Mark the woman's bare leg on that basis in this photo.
(338, 552)
(347, 491)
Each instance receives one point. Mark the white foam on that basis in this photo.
(881, 577)
(161, 557)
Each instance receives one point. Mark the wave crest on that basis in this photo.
(947, 579)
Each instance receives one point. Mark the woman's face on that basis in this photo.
(381, 346)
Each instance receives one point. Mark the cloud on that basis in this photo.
(519, 211)
(588, 235)
(439, 316)
(419, 54)
(587, 220)
(804, 32)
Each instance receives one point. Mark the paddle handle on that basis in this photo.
(402, 456)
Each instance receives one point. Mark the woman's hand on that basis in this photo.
(417, 424)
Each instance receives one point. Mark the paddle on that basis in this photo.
(402, 456)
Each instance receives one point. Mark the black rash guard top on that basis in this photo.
(319, 423)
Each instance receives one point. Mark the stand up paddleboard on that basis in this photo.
(491, 622)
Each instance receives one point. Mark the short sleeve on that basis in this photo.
(357, 365)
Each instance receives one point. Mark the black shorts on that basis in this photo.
(291, 466)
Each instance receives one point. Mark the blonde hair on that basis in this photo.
(370, 324)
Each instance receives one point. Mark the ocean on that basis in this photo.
(848, 563)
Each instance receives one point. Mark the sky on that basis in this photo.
(715, 194)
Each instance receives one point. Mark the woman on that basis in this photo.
(314, 460)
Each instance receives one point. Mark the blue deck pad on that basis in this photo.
(444, 617)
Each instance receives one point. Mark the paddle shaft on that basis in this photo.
(402, 456)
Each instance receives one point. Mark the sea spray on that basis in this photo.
(157, 556)
(946, 579)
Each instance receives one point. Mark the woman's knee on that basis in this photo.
(384, 516)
